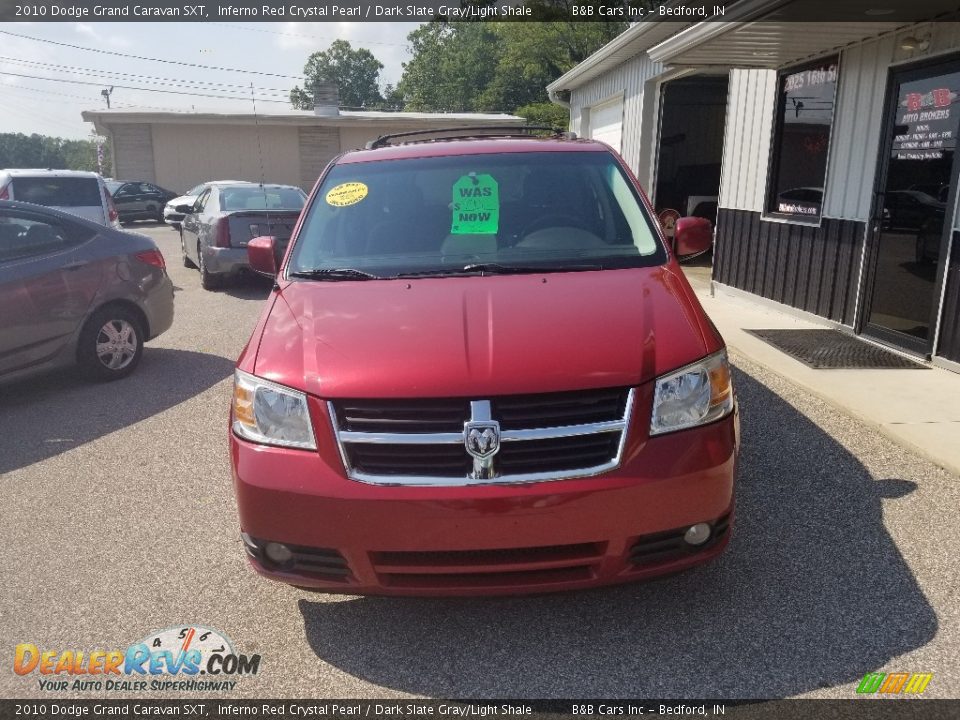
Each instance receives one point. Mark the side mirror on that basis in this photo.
(185, 209)
(692, 236)
(261, 252)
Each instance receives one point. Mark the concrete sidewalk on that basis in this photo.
(919, 409)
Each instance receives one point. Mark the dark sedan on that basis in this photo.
(73, 291)
(216, 229)
(139, 200)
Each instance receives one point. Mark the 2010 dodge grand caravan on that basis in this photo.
(481, 370)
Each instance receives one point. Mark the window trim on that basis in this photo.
(773, 159)
(68, 228)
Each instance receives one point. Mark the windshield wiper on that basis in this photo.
(334, 274)
(498, 269)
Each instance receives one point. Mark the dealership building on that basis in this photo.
(823, 152)
(178, 150)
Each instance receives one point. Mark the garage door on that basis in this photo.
(606, 123)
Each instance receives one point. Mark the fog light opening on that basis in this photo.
(278, 553)
(697, 534)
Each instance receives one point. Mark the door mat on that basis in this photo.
(834, 350)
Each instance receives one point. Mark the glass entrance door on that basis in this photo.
(915, 185)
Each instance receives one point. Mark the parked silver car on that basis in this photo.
(75, 292)
(74, 191)
(216, 229)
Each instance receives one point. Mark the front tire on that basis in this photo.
(111, 344)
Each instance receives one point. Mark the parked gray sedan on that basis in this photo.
(216, 229)
(73, 291)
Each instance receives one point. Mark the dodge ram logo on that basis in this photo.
(482, 439)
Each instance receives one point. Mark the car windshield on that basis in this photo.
(255, 197)
(113, 186)
(505, 211)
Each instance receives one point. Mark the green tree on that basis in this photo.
(356, 73)
(392, 98)
(495, 66)
(43, 151)
(547, 114)
(451, 66)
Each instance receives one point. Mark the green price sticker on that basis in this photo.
(476, 205)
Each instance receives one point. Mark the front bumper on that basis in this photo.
(356, 538)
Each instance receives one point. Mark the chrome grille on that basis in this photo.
(464, 441)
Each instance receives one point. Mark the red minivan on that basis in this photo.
(481, 370)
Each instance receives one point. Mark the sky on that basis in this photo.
(52, 106)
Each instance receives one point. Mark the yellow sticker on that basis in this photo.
(346, 194)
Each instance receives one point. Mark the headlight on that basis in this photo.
(697, 394)
(265, 412)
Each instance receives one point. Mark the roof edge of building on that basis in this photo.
(307, 118)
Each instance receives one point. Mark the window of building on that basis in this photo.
(798, 159)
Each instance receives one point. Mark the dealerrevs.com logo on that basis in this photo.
(180, 658)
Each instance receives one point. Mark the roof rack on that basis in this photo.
(467, 133)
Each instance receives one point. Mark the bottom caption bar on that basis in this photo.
(913, 709)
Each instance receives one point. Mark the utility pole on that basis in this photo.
(106, 95)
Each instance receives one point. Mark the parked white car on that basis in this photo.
(173, 218)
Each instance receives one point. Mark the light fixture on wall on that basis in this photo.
(912, 42)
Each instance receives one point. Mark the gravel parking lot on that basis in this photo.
(119, 519)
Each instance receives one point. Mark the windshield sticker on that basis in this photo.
(347, 194)
(476, 205)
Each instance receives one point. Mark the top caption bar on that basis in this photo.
(468, 10)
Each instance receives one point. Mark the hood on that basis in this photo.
(474, 336)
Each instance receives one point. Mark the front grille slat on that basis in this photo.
(542, 437)
(428, 415)
(557, 409)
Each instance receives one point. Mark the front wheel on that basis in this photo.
(111, 344)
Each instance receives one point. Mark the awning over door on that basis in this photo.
(789, 31)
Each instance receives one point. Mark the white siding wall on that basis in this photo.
(860, 107)
(746, 145)
(857, 121)
(627, 79)
(855, 138)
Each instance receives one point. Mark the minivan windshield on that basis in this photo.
(504, 212)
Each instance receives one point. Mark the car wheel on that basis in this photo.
(187, 262)
(208, 281)
(111, 344)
